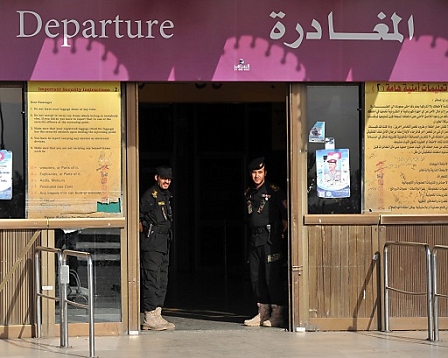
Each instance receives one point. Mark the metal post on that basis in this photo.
(429, 285)
(37, 281)
(63, 309)
(38, 294)
(429, 295)
(434, 293)
(91, 321)
(89, 306)
(386, 288)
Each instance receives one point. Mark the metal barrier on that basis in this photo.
(65, 301)
(39, 294)
(435, 293)
(63, 270)
(429, 286)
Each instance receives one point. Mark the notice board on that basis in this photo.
(406, 148)
(74, 149)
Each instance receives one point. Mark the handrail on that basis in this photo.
(428, 283)
(341, 219)
(375, 219)
(50, 223)
(65, 301)
(39, 294)
(63, 271)
(414, 219)
(435, 293)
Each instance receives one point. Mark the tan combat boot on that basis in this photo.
(261, 317)
(153, 321)
(276, 319)
(169, 325)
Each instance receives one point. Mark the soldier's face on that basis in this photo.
(163, 183)
(258, 176)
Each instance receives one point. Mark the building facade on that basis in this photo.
(95, 96)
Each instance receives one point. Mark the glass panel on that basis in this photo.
(104, 246)
(11, 139)
(338, 107)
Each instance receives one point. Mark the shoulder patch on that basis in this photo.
(154, 194)
(275, 187)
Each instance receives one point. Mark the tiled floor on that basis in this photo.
(208, 315)
(241, 342)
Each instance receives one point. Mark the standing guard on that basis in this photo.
(155, 235)
(267, 222)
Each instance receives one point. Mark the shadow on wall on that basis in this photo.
(193, 54)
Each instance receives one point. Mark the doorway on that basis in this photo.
(208, 133)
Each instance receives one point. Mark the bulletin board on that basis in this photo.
(73, 149)
(406, 148)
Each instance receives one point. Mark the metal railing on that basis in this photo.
(429, 286)
(63, 276)
(37, 280)
(435, 292)
(65, 301)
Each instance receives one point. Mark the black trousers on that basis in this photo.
(154, 279)
(68, 241)
(265, 265)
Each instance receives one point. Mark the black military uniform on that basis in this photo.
(67, 239)
(266, 209)
(156, 217)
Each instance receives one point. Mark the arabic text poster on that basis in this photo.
(333, 173)
(74, 149)
(406, 150)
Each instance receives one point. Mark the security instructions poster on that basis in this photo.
(74, 149)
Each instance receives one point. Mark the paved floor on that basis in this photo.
(208, 325)
(212, 339)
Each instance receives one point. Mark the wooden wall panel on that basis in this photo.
(16, 297)
(344, 275)
(345, 278)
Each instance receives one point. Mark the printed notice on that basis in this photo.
(333, 173)
(5, 175)
(74, 149)
(406, 146)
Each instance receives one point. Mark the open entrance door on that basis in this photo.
(208, 133)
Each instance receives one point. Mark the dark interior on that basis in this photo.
(208, 146)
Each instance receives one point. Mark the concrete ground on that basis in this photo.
(197, 338)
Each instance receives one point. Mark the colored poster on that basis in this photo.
(406, 132)
(317, 133)
(74, 149)
(5, 175)
(333, 173)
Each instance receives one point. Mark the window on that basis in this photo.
(339, 109)
(12, 140)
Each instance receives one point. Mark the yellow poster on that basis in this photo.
(406, 148)
(74, 149)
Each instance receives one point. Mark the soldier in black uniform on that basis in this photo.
(155, 234)
(267, 221)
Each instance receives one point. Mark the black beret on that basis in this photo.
(164, 172)
(256, 164)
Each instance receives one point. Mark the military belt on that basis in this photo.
(162, 231)
(258, 229)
